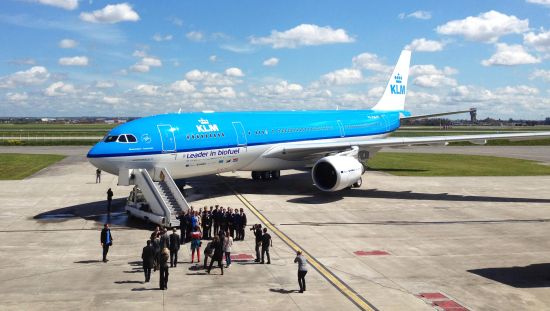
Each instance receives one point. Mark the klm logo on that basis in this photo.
(398, 88)
(205, 126)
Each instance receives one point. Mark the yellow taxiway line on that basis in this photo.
(344, 288)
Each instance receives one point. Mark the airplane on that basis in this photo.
(332, 143)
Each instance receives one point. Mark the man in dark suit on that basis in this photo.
(243, 224)
(164, 239)
(106, 240)
(109, 200)
(174, 248)
(148, 256)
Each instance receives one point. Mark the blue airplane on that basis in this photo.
(332, 143)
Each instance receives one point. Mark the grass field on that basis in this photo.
(426, 164)
(18, 166)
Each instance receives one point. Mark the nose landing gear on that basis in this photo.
(266, 175)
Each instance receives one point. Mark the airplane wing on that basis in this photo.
(292, 150)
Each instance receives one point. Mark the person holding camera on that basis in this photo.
(302, 270)
(257, 228)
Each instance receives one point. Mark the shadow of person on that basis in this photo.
(87, 261)
(531, 276)
(141, 289)
(283, 291)
(128, 282)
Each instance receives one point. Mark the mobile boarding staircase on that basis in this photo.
(155, 196)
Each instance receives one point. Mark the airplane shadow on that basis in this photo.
(300, 184)
(95, 211)
(531, 276)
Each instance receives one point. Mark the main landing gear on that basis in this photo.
(266, 175)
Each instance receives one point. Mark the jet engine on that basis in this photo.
(335, 173)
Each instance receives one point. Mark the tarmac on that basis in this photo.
(397, 243)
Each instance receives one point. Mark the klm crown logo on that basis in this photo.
(398, 88)
(398, 78)
(205, 126)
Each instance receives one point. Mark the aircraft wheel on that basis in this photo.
(266, 175)
(256, 175)
(358, 183)
(275, 174)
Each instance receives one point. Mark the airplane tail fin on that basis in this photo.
(396, 90)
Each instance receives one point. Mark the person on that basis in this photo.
(302, 270)
(183, 227)
(218, 254)
(243, 224)
(231, 222)
(258, 236)
(148, 257)
(196, 244)
(155, 244)
(189, 225)
(164, 239)
(204, 220)
(97, 176)
(106, 240)
(209, 224)
(227, 243)
(174, 248)
(208, 250)
(214, 217)
(266, 243)
(109, 200)
(237, 224)
(163, 265)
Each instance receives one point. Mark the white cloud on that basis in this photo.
(139, 53)
(209, 78)
(369, 61)
(74, 61)
(59, 88)
(304, 35)
(34, 75)
(540, 41)
(510, 55)
(271, 62)
(64, 4)
(234, 72)
(23, 61)
(145, 64)
(430, 76)
(224, 92)
(420, 70)
(112, 13)
(343, 76)
(486, 27)
(159, 38)
(182, 86)
(213, 58)
(433, 81)
(416, 14)
(195, 36)
(67, 44)
(282, 88)
(376, 91)
(104, 84)
(425, 45)
(111, 100)
(541, 2)
(540, 74)
(147, 89)
(518, 90)
(17, 97)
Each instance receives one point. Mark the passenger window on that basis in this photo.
(131, 138)
(122, 139)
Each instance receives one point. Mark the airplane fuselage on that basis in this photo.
(195, 144)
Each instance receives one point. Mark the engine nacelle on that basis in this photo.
(335, 173)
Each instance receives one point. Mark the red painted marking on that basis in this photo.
(241, 257)
(433, 296)
(448, 305)
(371, 253)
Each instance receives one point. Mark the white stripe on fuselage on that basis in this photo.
(212, 161)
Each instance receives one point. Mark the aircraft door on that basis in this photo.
(167, 138)
(341, 127)
(241, 134)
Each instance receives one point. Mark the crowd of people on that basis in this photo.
(218, 226)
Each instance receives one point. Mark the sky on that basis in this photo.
(138, 58)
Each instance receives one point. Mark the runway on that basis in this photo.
(479, 242)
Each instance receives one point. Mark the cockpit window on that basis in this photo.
(111, 138)
(122, 139)
(131, 138)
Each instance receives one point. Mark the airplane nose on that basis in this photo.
(92, 153)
